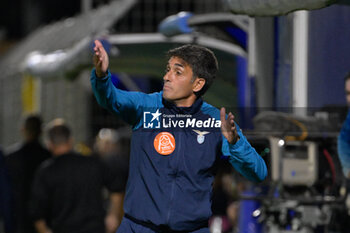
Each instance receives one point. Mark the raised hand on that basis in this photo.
(228, 127)
(101, 60)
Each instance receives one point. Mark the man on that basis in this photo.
(22, 161)
(177, 138)
(67, 190)
(344, 136)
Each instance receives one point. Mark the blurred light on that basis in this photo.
(216, 225)
(281, 142)
(256, 213)
(108, 134)
(175, 24)
(36, 58)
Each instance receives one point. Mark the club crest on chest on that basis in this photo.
(200, 135)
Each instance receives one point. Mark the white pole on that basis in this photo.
(252, 58)
(300, 62)
(252, 48)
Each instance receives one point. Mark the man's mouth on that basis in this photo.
(166, 87)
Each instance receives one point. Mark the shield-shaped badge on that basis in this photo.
(200, 136)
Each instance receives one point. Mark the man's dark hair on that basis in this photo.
(58, 132)
(202, 61)
(32, 126)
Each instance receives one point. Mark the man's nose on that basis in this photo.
(166, 77)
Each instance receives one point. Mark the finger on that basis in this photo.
(95, 48)
(99, 47)
(222, 114)
(98, 44)
(229, 117)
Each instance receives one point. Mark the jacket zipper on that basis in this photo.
(173, 183)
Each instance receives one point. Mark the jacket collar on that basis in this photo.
(196, 106)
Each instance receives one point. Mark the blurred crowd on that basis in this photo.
(58, 187)
(52, 184)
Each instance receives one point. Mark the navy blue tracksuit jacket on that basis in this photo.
(173, 154)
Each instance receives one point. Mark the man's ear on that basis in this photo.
(198, 84)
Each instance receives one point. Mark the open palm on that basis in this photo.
(101, 61)
(228, 127)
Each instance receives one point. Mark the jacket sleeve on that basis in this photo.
(244, 158)
(344, 146)
(126, 104)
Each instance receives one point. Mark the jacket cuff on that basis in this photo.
(93, 74)
(233, 147)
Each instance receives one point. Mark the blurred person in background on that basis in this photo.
(22, 161)
(67, 190)
(6, 204)
(112, 147)
(226, 194)
(344, 135)
(342, 217)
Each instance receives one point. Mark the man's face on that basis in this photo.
(347, 91)
(178, 81)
